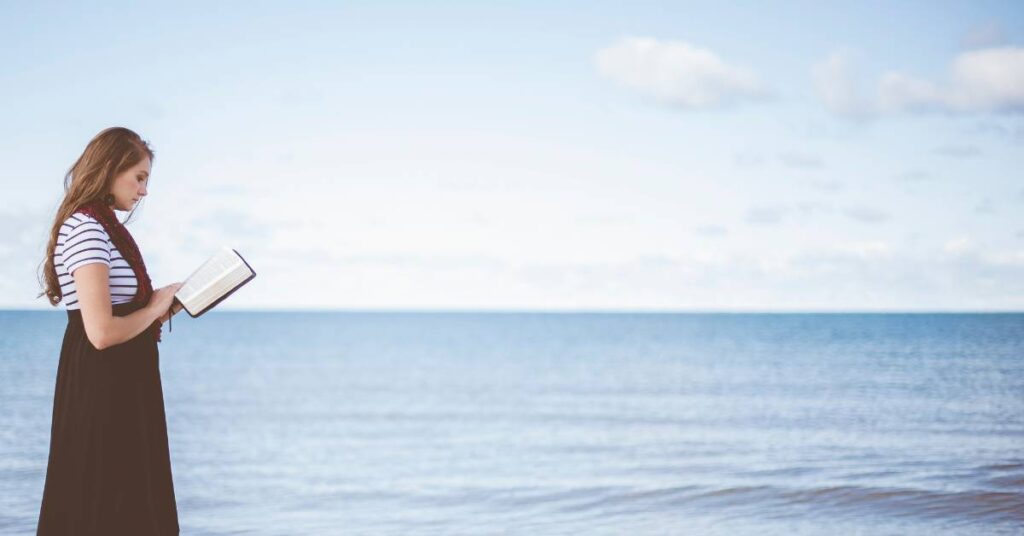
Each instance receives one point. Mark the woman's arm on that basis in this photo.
(101, 326)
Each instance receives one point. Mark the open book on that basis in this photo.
(216, 279)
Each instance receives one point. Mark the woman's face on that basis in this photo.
(130, 187)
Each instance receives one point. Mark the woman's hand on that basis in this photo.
(162, 299)
(164, 317)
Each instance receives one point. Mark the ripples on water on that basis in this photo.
(418, 423)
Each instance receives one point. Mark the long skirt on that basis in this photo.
(109, 470)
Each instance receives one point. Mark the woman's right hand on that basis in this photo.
(162, 298)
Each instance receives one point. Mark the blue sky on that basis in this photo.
(630, 156)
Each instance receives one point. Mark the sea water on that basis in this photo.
(291, 423)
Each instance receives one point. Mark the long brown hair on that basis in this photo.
(110, 153)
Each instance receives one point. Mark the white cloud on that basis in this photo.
(900, 92)
(1012, 259)
(711, 230)
(860, 275)
(866, 214)
(1006, 128)
(807, 208)
(989, 79)
(985, 206)
(764, 215)
(677, 73)
(957, 246)
(826, 185)
(801, 160)
(958, 151)
(748, 159)
(872, 248)
(915, 175)
(985, 80)
(837, 85)
(23, 244)
(774, 214)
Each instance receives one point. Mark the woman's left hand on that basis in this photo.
(165, 317)
(175, 307)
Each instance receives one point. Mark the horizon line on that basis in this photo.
(455, 310)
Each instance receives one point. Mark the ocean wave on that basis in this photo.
(978, 506)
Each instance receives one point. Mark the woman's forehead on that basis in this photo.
(144, 165)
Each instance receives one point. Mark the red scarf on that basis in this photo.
(124, 243)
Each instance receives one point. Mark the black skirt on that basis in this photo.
(109, 470)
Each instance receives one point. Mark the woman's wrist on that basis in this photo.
(151, 312)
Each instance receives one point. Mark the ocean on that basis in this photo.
(294, 423)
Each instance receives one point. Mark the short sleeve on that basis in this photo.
(86, 243)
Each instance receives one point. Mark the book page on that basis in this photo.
(220, 287)
(212, 280)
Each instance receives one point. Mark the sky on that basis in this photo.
(597, 156)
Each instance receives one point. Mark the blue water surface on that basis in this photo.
(559, 423)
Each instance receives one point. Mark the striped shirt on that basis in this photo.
(82, 240)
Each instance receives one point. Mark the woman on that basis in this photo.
(109, 469)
